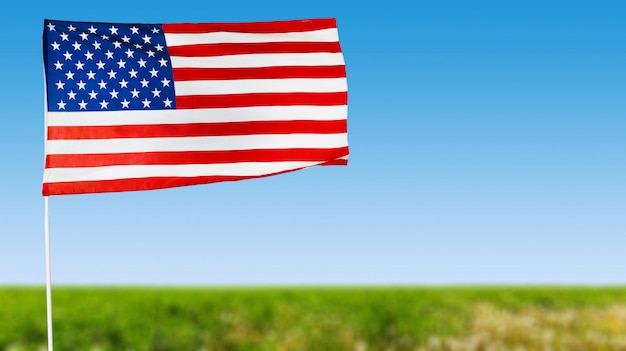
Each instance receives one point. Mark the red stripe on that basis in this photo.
(196, 129)
(136, 184)
(261, 99)
(337, 162)
(152, 183)
(185, 74)
(194, 157)
(252, 27)
(204, 50)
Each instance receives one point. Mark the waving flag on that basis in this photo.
(151, 106)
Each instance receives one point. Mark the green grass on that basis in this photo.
(411, 318)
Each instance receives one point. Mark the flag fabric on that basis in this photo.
(151, 106)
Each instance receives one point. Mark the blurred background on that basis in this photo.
(487, 148)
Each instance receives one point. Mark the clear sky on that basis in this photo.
(487, 146)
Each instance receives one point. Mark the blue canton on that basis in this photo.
(107, 67)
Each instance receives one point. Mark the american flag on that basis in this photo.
(151, 106)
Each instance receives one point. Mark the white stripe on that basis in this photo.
(259, 60)
(238, 142)
(208, 115)
(245, 86)
(322, 35)
(52, 175)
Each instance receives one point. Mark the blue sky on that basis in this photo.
(487, 147)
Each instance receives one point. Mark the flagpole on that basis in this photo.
(47, 225)
(48, 276)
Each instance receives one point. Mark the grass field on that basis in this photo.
(359, 319)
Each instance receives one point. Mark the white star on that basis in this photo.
(71, 95)
(144, 83)
(93, 95)
(125, 103)
(65, 37)
(123, 84)
(104, 37)
(125, 39)
(121, 64)
(111, 74)
(146, 39)
(135, 93)
(150, 53)
(142, 63)
(60, 85)
(163, 62)
(168, 102)
(130, 53)
(83, 105)
(155, 30)
(88, 55)
(96, 45)
(61, 105)
(51, 27)
(79, 65)
(109, 55)
(117, 44)
(81, 84)
(154, 72)
(76, 46)
(58, 65)
(67, 55)
(71, 28)
(166, 82)
(84, 36)
(146, 103)
(100, 64)
(159, 47)
(92, 29)
(91, 75)
(134, 29)
(156, 92)
(113, 30)
(104, 104)
(133, 73)
(114, 94)
(102, 84)
(138, 46)
(55, 46)
(69, 75)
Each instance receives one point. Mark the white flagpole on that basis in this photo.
(47, 224)
(48, 276)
